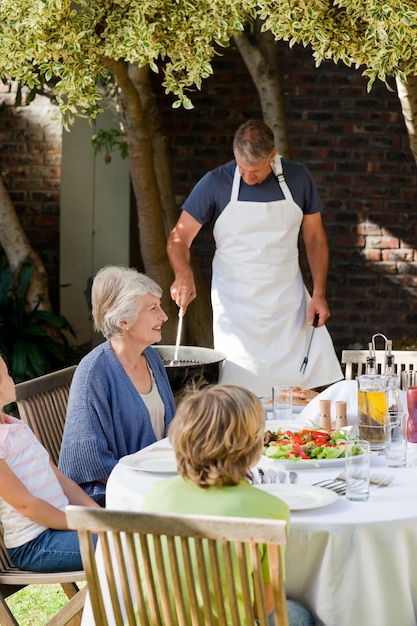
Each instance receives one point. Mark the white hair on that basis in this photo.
(114, 297)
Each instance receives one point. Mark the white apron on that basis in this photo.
(259, 298)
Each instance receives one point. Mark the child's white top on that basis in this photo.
(29, 460)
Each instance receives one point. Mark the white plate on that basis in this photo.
(283, 425)
(303, 464)
(155, 462)
(301, 497)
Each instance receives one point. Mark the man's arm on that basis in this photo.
(178, 248)
(317, 251)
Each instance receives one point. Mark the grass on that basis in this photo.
(36, 604)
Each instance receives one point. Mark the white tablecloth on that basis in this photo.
(351, 563)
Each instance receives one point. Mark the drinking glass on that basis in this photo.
(282, 402)
(357, 467)
(396, 440)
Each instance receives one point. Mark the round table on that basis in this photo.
(351, 563)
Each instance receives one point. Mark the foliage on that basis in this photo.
(27, 344)
(108, 141)
(68, 42)
(380, 35)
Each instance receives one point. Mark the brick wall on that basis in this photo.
(354, 143)
(30, 163)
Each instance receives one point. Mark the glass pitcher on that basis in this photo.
(373, 415)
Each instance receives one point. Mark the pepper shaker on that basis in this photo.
(325, 415)
(341, 419)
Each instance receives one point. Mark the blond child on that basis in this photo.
(217, 435)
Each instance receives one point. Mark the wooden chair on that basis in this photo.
(12, 579)
(142, 555)
(42, 404)
(355, 362)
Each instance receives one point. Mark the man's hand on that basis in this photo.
(318, 305)
(183, 291)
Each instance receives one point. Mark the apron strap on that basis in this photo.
(235, 187)
(276, 168)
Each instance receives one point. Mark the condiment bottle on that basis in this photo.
(341, 419)
(325, 415)
(370, 368)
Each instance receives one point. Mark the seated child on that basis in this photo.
(217, 435)
(33, 497)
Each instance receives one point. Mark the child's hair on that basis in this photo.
(217, 434)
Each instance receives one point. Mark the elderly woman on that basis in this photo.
(120, 399)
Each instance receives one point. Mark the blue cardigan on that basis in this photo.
(106, 417)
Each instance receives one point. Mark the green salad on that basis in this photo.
(306, 444)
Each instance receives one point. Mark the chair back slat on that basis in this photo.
(42, 404)
(354, 362)
(182, 563)
(204, 583)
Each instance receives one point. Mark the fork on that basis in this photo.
(386, 480)
(379, 480)
(334, 484)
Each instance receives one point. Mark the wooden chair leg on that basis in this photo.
(70, 611)
(70, 589)
(6, 616)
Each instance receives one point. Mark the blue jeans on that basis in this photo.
(298, 615)
(51, 551)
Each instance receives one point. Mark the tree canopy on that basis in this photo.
(68, 41)
(378, 34)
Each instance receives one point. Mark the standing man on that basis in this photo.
(262, 312)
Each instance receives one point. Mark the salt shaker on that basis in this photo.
(341, 419)
(325, 416)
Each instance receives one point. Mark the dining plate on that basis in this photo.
(292, 425)
(155, 462)
(301, 497)
(303, 464)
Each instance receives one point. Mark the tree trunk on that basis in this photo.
(407, 94)
(259, 52)
(17, 247)
(157, 212)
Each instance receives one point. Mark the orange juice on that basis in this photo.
(373, 417)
